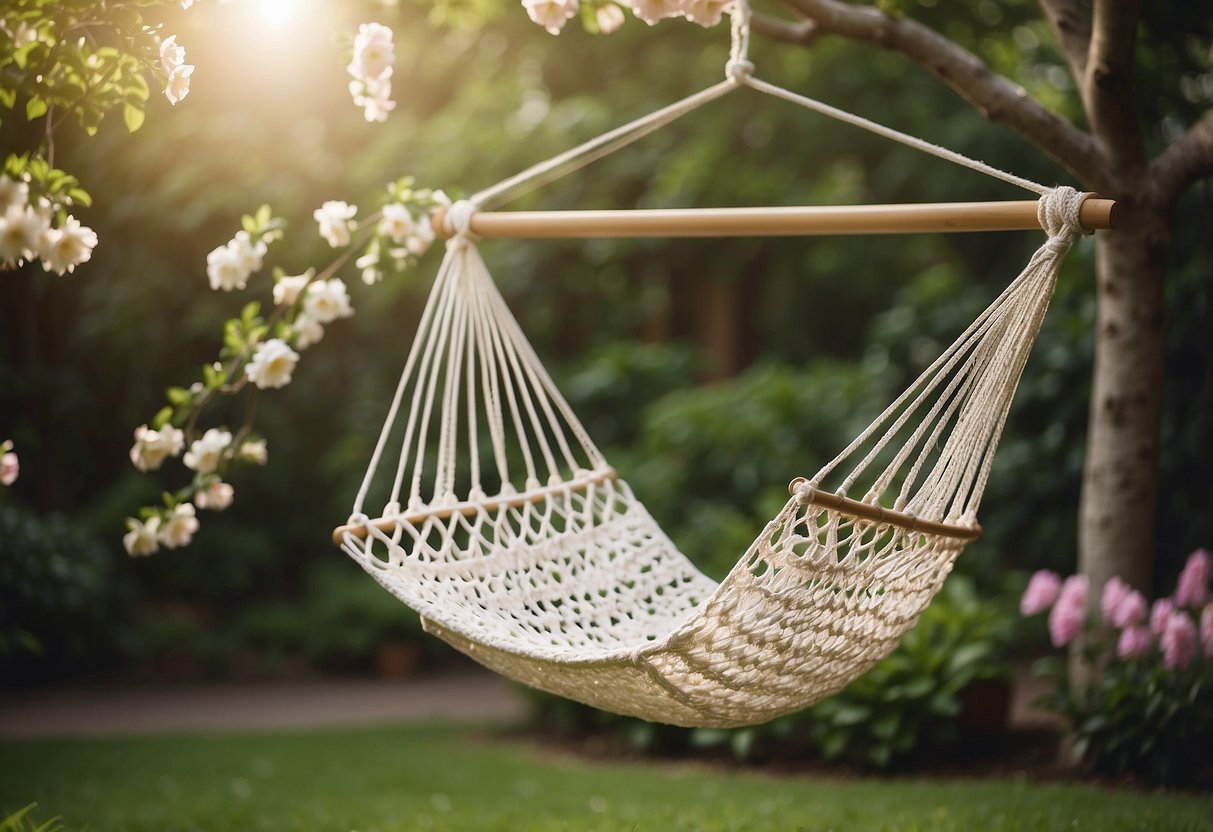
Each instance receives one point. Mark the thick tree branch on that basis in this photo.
(1107, 86)
(997, 98)
(802, 32)
(1188, 159)
(1071, 23)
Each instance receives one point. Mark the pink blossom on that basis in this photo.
(1114, 593)
(10, 466)
(1042, 591)
(1160, 614)
(1122, 605)
(1134, 641)
(1178, 641)
(1065, 619)
(1206, 630)
(1193, 588)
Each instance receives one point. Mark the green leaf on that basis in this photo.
(35, 107)
(162, 417)
(80, 196)
(133, 117)
(8, 96)
(178, 396)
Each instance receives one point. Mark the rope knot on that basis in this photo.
(1057, 212)
(738, 69)
(459, 221)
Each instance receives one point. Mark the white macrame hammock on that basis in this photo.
(520, 545)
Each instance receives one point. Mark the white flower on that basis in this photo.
(141, 539)
(185, 4)
(397, 222)
(216, 497)
(369, 263)
(287, 289)
(336, 220)
(272, 365)
(206, 453)
(307, 331)
(706, 13)
(327, 300)
(67, 246)
(651, 11)
(371, 275)
(373, 52)
(374, 96)
(550, 14)
(152, 447)
(248, 252)
(609, 17)
(172, 54)
(177, 85)
(10, 466)
(422, 238)
(22, 230)
(254, 451)
(13, 192)
(179, 529)
(225, 268)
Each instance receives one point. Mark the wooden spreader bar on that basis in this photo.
(867, 511)
(941, 217)
(467, 508)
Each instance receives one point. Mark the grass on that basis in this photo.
(448, 778)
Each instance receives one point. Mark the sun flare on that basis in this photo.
(277, 12)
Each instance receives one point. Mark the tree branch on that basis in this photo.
(994, 96)
(1071, 25)
(1186, 160)
(802, 32)
(1107, 86)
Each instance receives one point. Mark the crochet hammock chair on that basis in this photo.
(520, 545)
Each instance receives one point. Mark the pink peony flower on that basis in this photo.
(1193, 587)
(1065, 619)
(1178, 641)
(1114, 593)
(1206, 630)
(1160, 614)
(1121, 604)
(10, 466)
(1134, 641)
(1041, 592)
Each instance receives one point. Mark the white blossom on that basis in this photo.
(706, 13)
(374, 96)
(206, 453)
(215, 497)
(327, 300)
(152, 447)
(13, 192)
(141, 540)
(369, 264)
(419, 242)
(272, 364)
(180, 527)
(225, 270)
(336, 220)
(609, 17)
(172, 54)
(374, 52)
(65, 247)
(287, 289)
(550, 14)
(177, 85)
(651, 11)
(254, 451)
(308, 331)
(397, 222)
(22, 231)
(250, 252)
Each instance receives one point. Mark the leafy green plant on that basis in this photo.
(911, 701)
(21, 821)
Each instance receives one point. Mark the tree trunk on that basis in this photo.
(1120, 482)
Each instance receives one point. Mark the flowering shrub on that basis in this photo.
(1142, 702)
(606, 17)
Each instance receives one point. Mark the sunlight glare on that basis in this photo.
(277, 12)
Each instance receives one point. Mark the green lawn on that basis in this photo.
(413, 778)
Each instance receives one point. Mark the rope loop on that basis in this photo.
(459, 221)
(1058, 210)
(739, 66)
(738, 70)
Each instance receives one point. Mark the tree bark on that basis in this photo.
(1120, 476)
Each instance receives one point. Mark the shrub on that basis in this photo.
(1138, 697)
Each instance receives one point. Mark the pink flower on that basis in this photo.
(1065, 619)
(1134, 641)
(1160, 614)
(10, 466)
(1206, 630)
(1121, 605)
(1042, 591)
(1114, 592)
(1193, 588)
(1178, 641)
